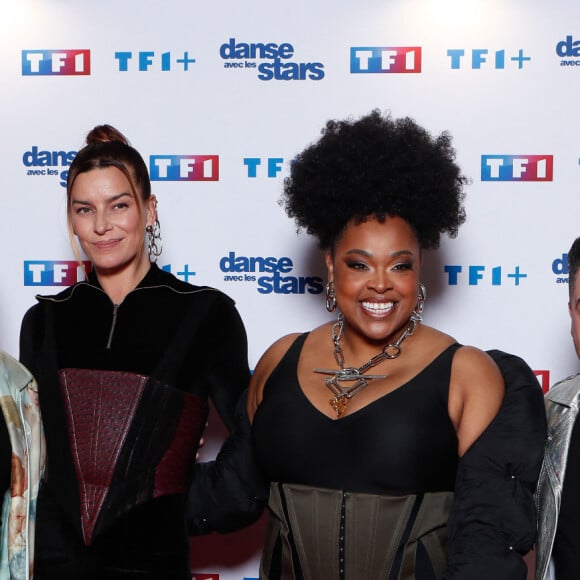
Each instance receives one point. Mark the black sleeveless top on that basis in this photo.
(402, 443)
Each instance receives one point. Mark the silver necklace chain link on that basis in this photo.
(389, 351)
(342, 394)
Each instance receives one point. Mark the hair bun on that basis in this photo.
(105, 134)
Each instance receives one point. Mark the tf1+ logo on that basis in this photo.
(385, 59)
(517, 167)
(56, 62)
(55, 272)
(473, 274)
(184, 167)
(481, 58)
(149, 60)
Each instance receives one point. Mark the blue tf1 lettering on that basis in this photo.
(274, 165)
(146, 59)
(479, 57)
(476, 273)
(185, 273)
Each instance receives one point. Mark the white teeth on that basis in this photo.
(377, 307)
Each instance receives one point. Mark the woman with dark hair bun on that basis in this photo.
(125, 362)
(394, 451)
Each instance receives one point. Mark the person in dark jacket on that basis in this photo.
(393, 451)
(125, 362)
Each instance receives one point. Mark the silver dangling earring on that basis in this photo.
(330, 297)
(421, 296)
(154, 241)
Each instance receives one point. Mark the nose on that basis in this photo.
(102, 224)
(380, 281)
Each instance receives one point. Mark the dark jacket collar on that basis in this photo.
(155, 278)
(151, 278)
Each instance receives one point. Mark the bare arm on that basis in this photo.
(475, 394)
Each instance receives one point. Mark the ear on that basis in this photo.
(329, 265)
(151, 210)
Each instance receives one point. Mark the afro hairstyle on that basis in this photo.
(376, 167)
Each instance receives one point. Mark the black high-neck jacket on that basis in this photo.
(123, 394)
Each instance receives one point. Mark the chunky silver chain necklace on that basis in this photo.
(343, 394)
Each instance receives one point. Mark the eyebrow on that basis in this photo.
(395, 254)
(111, 199)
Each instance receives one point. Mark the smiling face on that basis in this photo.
(108, 220)
(375, 268)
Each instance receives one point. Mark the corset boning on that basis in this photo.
(316, 533)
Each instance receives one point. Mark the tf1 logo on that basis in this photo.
(184, 167)
(56, 62)
(55, 272)
(544, 380)
(385, 59)
(517, 167)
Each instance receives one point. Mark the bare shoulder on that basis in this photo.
(273, 355)
(469, 360)
(476, 392)
(267, 363)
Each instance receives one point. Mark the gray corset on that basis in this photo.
(327, 534)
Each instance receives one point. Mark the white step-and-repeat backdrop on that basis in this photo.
(219, 96)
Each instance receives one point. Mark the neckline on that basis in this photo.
(373, 402)
(146, 280)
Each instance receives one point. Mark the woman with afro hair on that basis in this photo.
(393, 451)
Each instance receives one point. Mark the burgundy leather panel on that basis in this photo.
(100, 407)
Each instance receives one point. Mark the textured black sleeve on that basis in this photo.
(229, 493)
(226, 358)
(493, 519)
